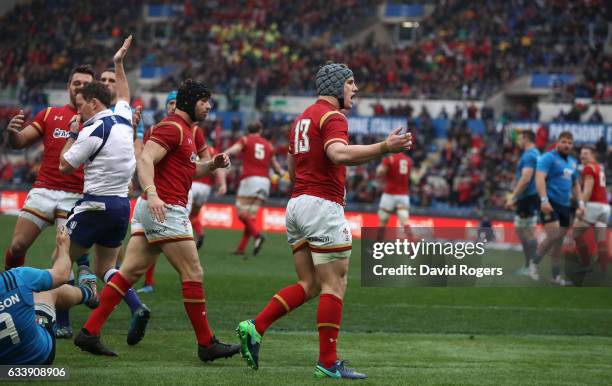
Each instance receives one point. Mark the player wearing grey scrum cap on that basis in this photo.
(330, 81)
(317, 230)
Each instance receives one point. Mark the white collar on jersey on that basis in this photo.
(101, 114)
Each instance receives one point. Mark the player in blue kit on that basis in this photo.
(524, 198)
(556, 179)
(27, 314)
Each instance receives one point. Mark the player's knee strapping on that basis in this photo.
(383, 215)
(253, 209)
(402, 215)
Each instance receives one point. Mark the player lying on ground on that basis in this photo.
(29, 297)
(317, 230)
(161, 223)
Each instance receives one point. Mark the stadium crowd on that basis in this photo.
(464, 49)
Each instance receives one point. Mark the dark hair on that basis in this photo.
(589, 148)
(82, 69)
(255, 127)
(110, 69)
(96, 90)
(530, 135)
(566, 134)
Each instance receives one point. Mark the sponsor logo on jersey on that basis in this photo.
(156, 231)
(320, 239)
(59, 133)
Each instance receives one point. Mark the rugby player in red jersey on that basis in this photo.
(597, 209)
(317, 230)
(53, 195)
(257, 157)
(395, 171)
(161, 223)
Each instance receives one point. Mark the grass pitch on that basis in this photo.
(395, 335)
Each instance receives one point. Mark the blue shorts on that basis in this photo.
(99, 220)
(560, 213)
(528, 206)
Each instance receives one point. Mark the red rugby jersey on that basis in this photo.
(174, 173)
(397, 179)
(256, 156)
(53, 123)
(320, 125)
(599, 193)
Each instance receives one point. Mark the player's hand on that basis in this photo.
(62, 241)
(546, 208)
(396, 142)
(580, 212)
(75, 123)
(118, 58)
(222, 189)
(157, 208)
(136, 115)
(220, 160)
(16, 123)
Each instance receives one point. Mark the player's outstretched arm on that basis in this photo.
(121, 86)
(219, 161)
(60, 272)
(276, 166)
(343, 154)
(234, 149)
(18, 136)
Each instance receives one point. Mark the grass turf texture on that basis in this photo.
(395, 335)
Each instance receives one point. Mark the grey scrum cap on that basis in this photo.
(330, 80)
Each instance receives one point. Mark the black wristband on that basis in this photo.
(73, 135)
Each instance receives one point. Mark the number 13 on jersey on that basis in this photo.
(301, 136)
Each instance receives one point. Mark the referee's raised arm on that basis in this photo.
(121, 86)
